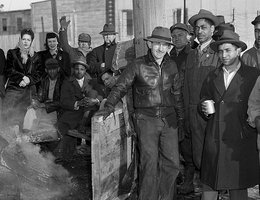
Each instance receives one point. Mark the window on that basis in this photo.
(19, 24)
(4, 24)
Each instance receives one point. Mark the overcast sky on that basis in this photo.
(16, 4)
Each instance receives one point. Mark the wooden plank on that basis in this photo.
(109, 156)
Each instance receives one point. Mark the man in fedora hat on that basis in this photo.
(77, 97)
(181, 48)
(230, 158)
(84, 42)
(101, 57)
(158, 111)
(200, 62)
(252, 56)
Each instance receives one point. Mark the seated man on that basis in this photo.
(78, 99)
(42, 114)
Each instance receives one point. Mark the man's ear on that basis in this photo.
(149, 44)
(239, 50)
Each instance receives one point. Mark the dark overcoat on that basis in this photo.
(230, 158)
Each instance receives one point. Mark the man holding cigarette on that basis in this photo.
(230, 158)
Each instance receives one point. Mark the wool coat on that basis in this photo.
(230, 158)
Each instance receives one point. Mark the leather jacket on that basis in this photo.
(43, 93)
(156, 89)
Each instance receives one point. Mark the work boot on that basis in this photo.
(187, 187)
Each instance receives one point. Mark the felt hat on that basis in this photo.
(84, 37)
(221, 19)
(221, 28)
(256, 20)
(51, 63)
(180, 26)
(228, 36)
(80, 61)
(108, 29)
(160, 34)
(204, 14)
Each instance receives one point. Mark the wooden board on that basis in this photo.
(109, 156)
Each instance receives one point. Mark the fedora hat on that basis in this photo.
(228, 36)
(160, 34)
(108, 29)
(220, 28)
(221, 19)
(204, 14)
(256, 20)
(180, 26)
(80, 61)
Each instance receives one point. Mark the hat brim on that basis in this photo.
(187, 30)
(255, 22)
(52, 67)
(196, 17)
(108, 32)
(80, 63)
(151, 39)
(240, 44)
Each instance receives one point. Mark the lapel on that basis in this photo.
(219, 81)
(237, 79)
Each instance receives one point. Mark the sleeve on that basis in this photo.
(63, 36)
(178, 97)
(36, 74)
(2, 77)
(66, 64)
(254, 103)
(10, 71)
(121, 87)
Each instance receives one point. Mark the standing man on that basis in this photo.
(230, 158)
(252, 56)
(100, 59)
(181, 48)
(84, 42)
(158, 108)
(199, 63)
(2, 81)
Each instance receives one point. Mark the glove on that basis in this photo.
(22, 84)
(181, 130)
(64, 23)
(88, 102)
(105, 113)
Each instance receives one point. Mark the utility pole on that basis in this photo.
(184, 12)
(147, 15)
(54, 16)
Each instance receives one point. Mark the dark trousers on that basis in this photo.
(159, 158)
(67, 144)
(186, 150)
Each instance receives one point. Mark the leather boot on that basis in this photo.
(188, 187)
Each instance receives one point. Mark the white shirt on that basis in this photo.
(228, 76)
(204, 45)
(80, 82)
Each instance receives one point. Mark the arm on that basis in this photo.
(10, 71)
(2, 77)
(94, 62)
(37, 70)
(63, 36)
(67, 98)
(254, 105)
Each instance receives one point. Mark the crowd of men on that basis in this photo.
(194, 97)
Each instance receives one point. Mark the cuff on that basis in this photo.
(76, 107)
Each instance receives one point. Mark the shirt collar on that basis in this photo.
(204, 45)
(234, 70)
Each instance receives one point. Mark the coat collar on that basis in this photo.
(74, 81)
(219, 80)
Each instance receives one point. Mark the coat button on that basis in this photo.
(222, 101)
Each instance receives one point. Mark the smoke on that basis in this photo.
(32, 174)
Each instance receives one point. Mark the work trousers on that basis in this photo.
(159, 158)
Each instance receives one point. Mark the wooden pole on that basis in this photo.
(147, 15)
(54, 16)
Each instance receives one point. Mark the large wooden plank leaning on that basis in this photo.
(109, 156)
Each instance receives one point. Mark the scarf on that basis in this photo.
(25, 53)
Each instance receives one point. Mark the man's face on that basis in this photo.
(108, 80)
(84, 45)
(109, 38)
(179, 38)
(203, 30)
(26, 41)
(228, 53)
(79, 71)
(53, 73)
(158, 49)
(52, 43)
(257, 34)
